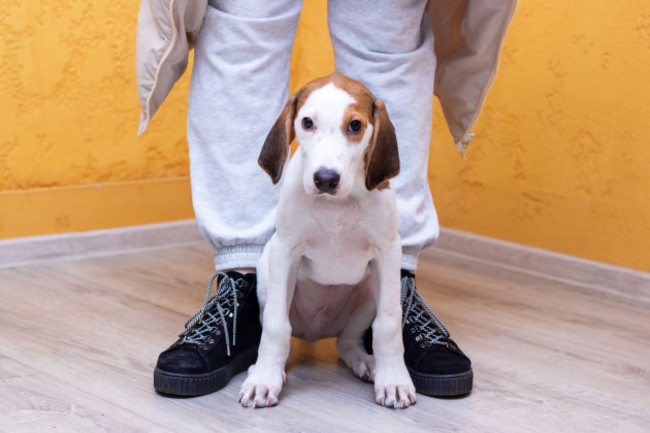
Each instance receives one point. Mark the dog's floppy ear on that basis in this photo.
(382, 158)
(276, 146)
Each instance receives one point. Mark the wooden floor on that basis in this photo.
(79, 340)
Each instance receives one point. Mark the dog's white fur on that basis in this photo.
(333, 265)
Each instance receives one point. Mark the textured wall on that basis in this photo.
(69, 104)
(561, 159)
(69, 114)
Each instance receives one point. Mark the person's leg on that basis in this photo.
(389, 48)
(240, 83)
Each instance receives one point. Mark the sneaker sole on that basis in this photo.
(443, 385)
(192, 385)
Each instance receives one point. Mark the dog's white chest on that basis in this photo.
(337, 252)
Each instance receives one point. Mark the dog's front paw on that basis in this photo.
(394, 389)
(262, 387)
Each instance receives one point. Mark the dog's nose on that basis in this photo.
(326, 180)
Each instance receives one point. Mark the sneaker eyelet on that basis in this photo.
(423, 346)
(412, 330)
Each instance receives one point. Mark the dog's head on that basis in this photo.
(344, 134)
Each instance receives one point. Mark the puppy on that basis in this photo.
(333, 264)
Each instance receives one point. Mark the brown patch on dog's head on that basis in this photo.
(381, 158)
(358, 114)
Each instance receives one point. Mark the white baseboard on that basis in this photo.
(629, 284)
(96, 243)
(616, 280)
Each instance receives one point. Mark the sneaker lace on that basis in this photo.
(199, 327)
(431, 328)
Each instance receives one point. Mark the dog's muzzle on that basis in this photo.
(326, 180)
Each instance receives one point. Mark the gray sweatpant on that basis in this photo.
(240, 84)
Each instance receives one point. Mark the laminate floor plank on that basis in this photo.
(79, 340)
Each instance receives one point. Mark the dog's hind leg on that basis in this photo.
(349, 342)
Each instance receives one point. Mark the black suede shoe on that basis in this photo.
(219, 341)
(437, 365)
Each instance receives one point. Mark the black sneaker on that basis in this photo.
(219, 341)
(435, 362)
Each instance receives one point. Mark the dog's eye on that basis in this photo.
(307, 123)
(354, 126)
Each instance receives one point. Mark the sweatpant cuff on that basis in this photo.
(247, 256)
(410, 259)
(237, 256)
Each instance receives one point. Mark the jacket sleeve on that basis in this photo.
(468, 36)
(166, 31)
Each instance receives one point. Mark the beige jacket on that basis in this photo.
(469, 35)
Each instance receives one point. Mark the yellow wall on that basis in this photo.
(70, 158)
(561, 159)
(562, 155)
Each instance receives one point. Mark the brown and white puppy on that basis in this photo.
(332, 268)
